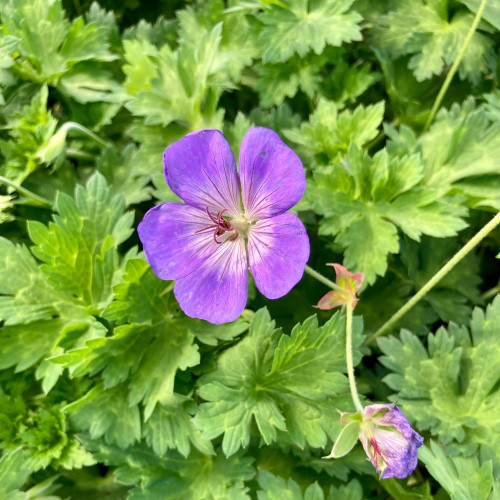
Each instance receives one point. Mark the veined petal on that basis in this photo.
(200, 168)
(278, 249)
(400, 455)
(272, 176)
(217, 291)
(170, 240)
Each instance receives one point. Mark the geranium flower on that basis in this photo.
(208, 242)
(387, 437)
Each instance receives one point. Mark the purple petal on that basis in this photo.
(401, 459)
(278, 249)
(217, 290)
(271, 174)
(200, 169)
(170, 242)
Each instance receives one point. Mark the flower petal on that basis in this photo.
(217, 291)
(200, 168)
(170, 240)
(400, 454)
(272, 176)
(278, 249)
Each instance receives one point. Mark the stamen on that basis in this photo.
(221, 226)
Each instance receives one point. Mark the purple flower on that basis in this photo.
(208, 242)
(389, 441)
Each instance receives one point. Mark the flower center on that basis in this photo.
(241, 225)
(219, 227)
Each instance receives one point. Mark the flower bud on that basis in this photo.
(387, 437)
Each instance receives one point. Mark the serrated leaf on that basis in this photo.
(461, 477)
(433, 36)
(37, 317)
(79, 248)
(329, 133)
(298, 26)
(107, 413)
(171, 427)
(29, 131)
(279, 381)
(363, 201)
(48, 43)
(204, 477)
(276, 488)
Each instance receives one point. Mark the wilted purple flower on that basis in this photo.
(208, 242)
(389, 441)
(387, 437)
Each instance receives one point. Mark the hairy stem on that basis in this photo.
(480, 235)
(322, 279)
(26, 192)
(85, 131)
(348, 357)
(454, 67)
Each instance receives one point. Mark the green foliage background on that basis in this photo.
(107, 390)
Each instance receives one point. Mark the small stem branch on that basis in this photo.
(322, 279)
(480, 235)
(26, 192)
(68, 126)
(456, 63)
(348, 357)
(78, 154)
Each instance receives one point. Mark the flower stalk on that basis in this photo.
(478, 237)
(456, 63)
(322, 279)
(38, 199)
(348, 357)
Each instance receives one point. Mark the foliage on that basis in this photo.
(107, 389)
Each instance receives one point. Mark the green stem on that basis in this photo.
(322, 279)
(490, 293)
(78, 154)
(26, 192)
(453, 69)
(480, 235)
(348, 357)
(68, 126)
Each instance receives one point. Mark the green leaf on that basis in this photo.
(204, 477)
(461, 477)
(364, 199)
(167, 86)
(29, 131)
(351, 491)
(146, 353)
(285, 383)
(298, 26)
(329, 133)
(171, 427)
(13, 470)
(120, 171)
(48, 43)
(451, 387)
(107, 413)
(433, 36)
(37, 317)
(276, 488)
(279, 81)
(460, 149)
(79, 248)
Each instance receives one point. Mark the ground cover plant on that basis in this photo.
(382, 122)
